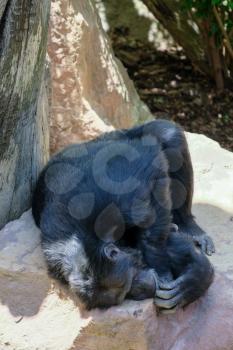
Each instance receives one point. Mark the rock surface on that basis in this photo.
(35, 315)
(91, 90)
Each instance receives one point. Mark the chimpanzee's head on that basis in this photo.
(113, 276)
(117, 272)
(122, 274)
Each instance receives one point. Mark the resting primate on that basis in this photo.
(116, 221)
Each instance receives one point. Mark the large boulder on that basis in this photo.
(91, 90)
(36, 315)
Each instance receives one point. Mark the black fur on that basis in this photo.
(105, 210)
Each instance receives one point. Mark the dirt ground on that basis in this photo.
(172, 89)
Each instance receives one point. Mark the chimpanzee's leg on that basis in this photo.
(175, 147)
(192, 271)
(153, 214)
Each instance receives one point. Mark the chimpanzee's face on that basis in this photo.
(113, 285)
(125, 277)
(143, 285)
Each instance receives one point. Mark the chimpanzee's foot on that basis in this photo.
(191, 230)
(205, 242)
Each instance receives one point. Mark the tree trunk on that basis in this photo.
(183, 29)
(23, 102)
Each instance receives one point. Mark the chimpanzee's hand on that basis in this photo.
(189, 286)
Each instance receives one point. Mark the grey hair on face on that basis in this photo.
(67, 259)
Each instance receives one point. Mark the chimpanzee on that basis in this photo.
(116, 221)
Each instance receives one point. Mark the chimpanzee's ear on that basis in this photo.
(111, 252)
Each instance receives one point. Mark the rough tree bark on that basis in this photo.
(183, 29)
(23, 109)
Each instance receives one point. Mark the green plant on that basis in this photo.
(214, 19)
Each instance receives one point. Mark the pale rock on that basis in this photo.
(91, 90)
